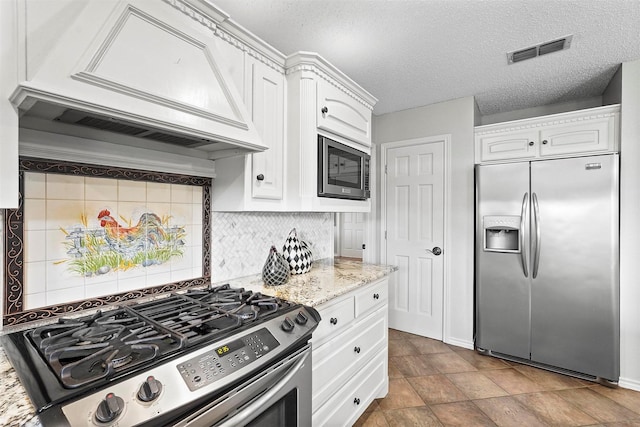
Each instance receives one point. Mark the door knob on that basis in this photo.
(436, 250)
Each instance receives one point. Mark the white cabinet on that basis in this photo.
(342, 114)
(350, 347)
(322, 100)
(256, 182)
(589, 131)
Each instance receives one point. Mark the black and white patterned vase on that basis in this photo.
(276, 269)
(297, 254)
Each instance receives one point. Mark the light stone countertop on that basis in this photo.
(328, 278)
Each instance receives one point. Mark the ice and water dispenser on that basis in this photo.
(502, 233)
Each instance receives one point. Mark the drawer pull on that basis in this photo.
(356, 401)
(356, 349)
(376, 296)
(333, 320)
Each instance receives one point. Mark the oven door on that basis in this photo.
(278, 396)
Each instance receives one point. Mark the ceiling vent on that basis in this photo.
(539, 49)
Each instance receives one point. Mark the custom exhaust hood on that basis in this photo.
(140, 68)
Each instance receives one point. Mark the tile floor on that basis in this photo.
(435, 384)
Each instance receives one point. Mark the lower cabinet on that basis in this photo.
(350, 347)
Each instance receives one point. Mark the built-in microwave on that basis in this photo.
(343, 172)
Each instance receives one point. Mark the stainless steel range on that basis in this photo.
(216, 356)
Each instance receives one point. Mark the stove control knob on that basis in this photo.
(150, 389)
(301, 318)
(109, 408)
(287, 325)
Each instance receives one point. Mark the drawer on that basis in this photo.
(373, 297)
(335, 317)
(345, 407)
(338, 360)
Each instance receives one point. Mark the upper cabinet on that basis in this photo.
(289, 113)
(590, 131)
(343, 114)
(322, 100)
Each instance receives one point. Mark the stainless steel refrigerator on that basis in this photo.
(547, 263)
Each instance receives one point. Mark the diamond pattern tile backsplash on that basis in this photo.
(240, 241)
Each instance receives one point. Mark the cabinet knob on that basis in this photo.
(333, 320)
(545, 142)
(260, 177)
(531, 143)
(356, 349)
(376, 296)
(324, 110)
(356, 401)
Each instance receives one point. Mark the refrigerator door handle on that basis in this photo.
(536, 225)
(523, 248)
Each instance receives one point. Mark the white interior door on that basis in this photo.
(414, 219)
(352, 230)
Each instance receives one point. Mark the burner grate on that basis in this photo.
(191, 318)
(84, 350)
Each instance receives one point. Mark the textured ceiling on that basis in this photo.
(411, 53)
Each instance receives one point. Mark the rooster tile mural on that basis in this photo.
(100, 236)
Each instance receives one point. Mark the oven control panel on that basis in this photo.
(226, 359)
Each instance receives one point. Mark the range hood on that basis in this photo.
(140, 68)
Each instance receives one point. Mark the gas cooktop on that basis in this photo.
(64, 361)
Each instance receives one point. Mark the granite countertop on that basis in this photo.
(327, 279)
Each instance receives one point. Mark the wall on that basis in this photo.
(543, 110)
(629, 215)
(456, 118)
(241, 241)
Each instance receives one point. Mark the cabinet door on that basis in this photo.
(508, 145)
(586, 137)
(346, 406)
(267, 99)
(339, 113)
(338, 360)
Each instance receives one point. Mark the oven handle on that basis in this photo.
(254, 407)
(273, 381)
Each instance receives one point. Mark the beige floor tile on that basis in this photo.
(436, 389)
(508, 412)
(393, 371)
(402, 348)
(554, 410)
(415, 417)
(428, 345)
(463, 414)
(513, 381)
(449, 363)
(630, 399)
(598, 406)
(547, 379)
(395, 334)
(632, 423)
(414, 366)
(476, 386)
(401, 395)
(480, 361)
(372, 419)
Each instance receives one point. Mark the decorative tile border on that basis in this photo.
(14, 312)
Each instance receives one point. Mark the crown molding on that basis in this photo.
(301, 62)
(550, 120)
(228, 30)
